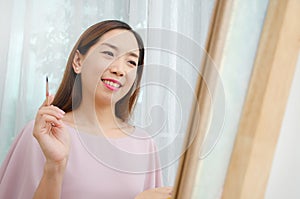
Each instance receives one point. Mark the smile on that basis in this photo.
(111, 84)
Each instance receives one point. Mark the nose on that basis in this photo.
(118, 67)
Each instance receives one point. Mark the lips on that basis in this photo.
(111, 84)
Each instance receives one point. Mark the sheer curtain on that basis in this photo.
(37, 36)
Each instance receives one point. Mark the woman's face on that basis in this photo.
(109, 68)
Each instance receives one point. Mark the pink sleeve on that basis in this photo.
(154, 178)
(22, 168)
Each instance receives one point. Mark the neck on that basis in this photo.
(97, 115)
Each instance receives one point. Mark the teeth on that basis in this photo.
(111, 83)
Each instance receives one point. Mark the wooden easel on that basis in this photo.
(260, 123)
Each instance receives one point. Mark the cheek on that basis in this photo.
(130, 82)
(94, 65)
(130, 79)
(91, 72)
(131, 76)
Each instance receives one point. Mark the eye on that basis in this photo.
(133, 63)
(108, 53)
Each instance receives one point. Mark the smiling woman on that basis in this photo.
(97, 94)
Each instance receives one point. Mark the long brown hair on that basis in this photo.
(69, 93)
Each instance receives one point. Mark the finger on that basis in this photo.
(164, 190)
(167, 188)
(53, 121)
(51, 110)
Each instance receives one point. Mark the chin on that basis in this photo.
(106, 99)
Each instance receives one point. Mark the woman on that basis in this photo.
(95, 99)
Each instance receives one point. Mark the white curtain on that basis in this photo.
(37, 36)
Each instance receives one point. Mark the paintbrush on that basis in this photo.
(47, 92)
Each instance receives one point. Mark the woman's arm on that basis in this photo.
(51, 182)
(54, 140)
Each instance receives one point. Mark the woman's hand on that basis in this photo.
(157, 193)
(52, 135)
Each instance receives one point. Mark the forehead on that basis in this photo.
(124, 40)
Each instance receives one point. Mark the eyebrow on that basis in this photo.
(116, 48)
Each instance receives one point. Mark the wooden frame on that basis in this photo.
(264, 107)
(198, 126)
(265, 103)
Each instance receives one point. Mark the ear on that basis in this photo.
(77, 62)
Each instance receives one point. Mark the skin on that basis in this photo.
(100, 62)
(115, 56)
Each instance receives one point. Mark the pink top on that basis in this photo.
(97, 167)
